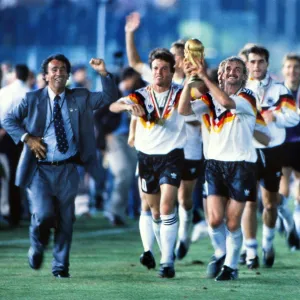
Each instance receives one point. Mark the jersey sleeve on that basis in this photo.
(261, 126)
(130, 99)
(245, 102)
(286, 110)
(202, 105)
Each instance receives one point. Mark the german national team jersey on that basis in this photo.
(161, 129)
(193, 146)
(228, 132)
(274, 96)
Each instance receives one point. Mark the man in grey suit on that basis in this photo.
(56, 126)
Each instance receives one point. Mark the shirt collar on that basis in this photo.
(264, 82)
(52, 94)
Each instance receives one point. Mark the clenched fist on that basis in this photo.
(98, 65)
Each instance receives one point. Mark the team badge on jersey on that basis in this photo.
(270, 101)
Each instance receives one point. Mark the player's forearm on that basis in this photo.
(218, 94)
(132, 53)
(118, 107)
(184, 106)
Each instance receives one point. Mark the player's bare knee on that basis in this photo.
(233, 225)
(215, 221)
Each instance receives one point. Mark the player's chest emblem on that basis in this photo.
(270, 101)
(149, 106)
(219, 110)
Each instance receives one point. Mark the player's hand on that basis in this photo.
(268, 116)
(132, 22)
(136, 110)
(130, 141)
(98, 65)
(200, 68)
(36, 145)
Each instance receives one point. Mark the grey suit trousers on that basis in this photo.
(51, 194)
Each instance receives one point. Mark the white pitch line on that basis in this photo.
(90, 234)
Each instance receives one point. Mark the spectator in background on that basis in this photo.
(10, 96)
(40, 82)
(31, 81)
(121, 158)
(6, 68)
(79, 77)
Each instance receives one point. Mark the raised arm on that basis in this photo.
(110, 90)
(132, 24)
(214, 90)
(184, 106)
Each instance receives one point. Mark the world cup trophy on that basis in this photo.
(193, 48)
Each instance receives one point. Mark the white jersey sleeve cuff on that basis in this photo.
(24, 136)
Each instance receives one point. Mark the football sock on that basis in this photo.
(267, 237)
(156, 224)
(146, 230)
(218, 240)
(234, 242)
(168, 234)
(185, 224)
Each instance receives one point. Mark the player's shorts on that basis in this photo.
(269, 166)
(192, 169)
(291, 155)
(235, 180)
(156, 170)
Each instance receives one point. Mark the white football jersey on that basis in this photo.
(162, 128)
(274, 96)
(227, 134)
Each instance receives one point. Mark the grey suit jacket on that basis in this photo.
(30, 116)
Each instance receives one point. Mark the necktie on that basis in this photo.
(60, 133)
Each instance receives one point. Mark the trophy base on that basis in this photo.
(194, 79)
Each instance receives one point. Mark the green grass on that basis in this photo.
(107, 267)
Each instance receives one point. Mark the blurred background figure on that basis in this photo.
(6, 69)
(10, 96)
(122, 159)
(291, 158)
(31, 81)
(40, 82)
(79, 77)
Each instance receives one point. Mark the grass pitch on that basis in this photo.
(105, 264)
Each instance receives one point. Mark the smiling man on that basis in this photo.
(55, 124)
(159, 140)
(229, 116)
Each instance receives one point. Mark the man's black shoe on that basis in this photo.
(293, 240)
(61, 274)
(35, 258)
(268, 258)
(182, 250)
(227, 274)
(242, 260)
(147, 260)
(253, 263)
(117, 221)
(214, 267)
(166, 271)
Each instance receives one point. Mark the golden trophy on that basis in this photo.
(193, 48)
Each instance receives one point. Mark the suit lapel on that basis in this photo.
(73, 111)
(42, 104)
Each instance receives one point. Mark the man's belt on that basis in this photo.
(71, 160)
